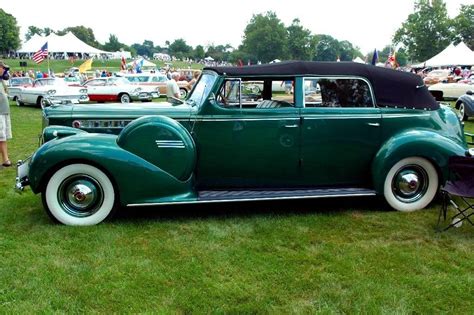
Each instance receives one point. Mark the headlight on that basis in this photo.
(51, 92)
(138, 90)
(83, 91)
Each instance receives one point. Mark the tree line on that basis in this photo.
(426, 32)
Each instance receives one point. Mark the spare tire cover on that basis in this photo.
(163, 142)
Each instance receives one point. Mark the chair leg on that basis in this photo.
(443, 210)
(461, 214)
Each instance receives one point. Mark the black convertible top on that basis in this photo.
(392, 88)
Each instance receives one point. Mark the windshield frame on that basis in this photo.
(202, 89)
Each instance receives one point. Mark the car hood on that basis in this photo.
(118, 110)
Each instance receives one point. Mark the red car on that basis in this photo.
(117, 89)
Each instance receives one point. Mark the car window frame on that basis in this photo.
(372, 94)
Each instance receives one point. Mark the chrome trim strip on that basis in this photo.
(405, 115)
(345, 116)
(178, 144)
(247, 119)
(250, 199)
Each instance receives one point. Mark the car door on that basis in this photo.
(96, 90)
(340, 132)
(244, 145)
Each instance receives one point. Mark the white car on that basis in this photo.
(117, 89)
(48, 91)
(156, 80)
(452, 91)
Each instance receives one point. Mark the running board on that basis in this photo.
(214, 196)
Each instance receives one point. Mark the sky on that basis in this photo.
(367, 24)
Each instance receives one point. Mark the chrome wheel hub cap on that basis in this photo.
(410, 183)
(80, 196)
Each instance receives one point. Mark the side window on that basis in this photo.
(331, 92)
(256, 93)
(229, 94)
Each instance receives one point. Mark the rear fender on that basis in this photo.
(422, 143)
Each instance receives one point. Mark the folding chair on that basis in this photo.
(461, 185)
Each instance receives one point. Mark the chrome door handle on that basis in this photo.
(291, 126)
(374, 124)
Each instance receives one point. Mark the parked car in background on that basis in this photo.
(117, 89)
(49, 91)
(156, 80)
(465, 105)
(20, 81)
(347, 130)
(452, 91)
(440, 75)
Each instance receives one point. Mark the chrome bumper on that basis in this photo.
(22, 179)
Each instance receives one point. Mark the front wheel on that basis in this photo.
(411, 184)
(462, 112)
(183, 93)
(125, 98)
(18, 102)
(79, 194)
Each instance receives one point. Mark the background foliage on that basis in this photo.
(425, 33)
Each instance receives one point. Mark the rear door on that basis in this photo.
(340, 132)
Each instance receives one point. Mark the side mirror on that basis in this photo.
(469, 92)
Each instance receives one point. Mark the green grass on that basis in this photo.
(59, 66)
(329, 256)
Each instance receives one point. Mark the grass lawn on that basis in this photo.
(59, 66)
(329, 256)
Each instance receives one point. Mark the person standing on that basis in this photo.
(5, 124)
(172, 88)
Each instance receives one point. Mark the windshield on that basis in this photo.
(202, 89)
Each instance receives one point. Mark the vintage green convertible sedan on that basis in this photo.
(343, 129)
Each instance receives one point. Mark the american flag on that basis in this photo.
(41, 54)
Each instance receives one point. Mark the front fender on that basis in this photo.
(468, 101)
(136, 180)
(422, 143)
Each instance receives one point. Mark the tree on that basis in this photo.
(9, 32)
(47, 31)
(113, 44)
(199, 52)
(145, 49)
(347, 51)
(32, 31)
(180, 49)
(299, 41)
(464, 25)
(86, 34)
(326, 48)
(265, 38)
(427, 31)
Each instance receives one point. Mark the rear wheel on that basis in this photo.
(79, 194)
(411, 184)
(125, 98)
(462, 112)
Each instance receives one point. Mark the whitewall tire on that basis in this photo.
(79, 194)
(411, 184)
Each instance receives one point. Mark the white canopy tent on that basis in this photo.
(358, 60)
(68, 43)
(451, 56)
